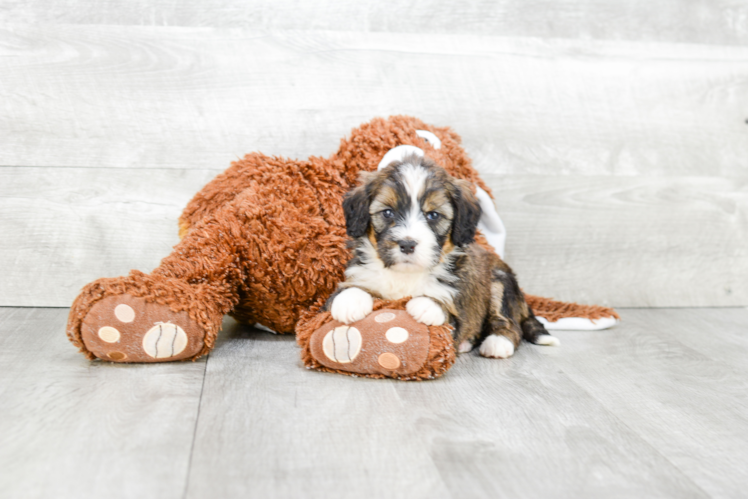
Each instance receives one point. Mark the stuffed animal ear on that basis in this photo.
(467, 213)
(356, 210)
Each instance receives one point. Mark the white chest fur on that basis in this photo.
(392, 285)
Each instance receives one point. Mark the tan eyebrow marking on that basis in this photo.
(437, 200)
(385, 198)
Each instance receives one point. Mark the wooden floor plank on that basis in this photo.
(643, 410)
(270, 428)
(660, 376)
(696, 21)
(132, 96)
(75, 428)
(489, 428)
(520, 428)
(720, 333)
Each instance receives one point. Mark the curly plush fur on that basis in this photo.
(265, 240)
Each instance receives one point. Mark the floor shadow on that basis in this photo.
(232, 330)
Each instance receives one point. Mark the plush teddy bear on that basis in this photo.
(265, 241)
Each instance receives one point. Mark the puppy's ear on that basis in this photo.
(356, 210)
(467, 213)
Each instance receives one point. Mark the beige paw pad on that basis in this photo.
(124, 313)
(109, 334)
(397, 335)
(164, 341)
(342, 344)
(389, 361)
(384, 317)
(117, 356)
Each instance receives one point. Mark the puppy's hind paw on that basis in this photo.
(426, 311)
(351, 305)
(496, 346)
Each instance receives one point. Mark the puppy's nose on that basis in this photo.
(407, 246)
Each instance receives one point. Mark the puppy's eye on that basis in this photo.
(433, 215)
(388, 214)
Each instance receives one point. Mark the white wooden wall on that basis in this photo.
(613, 133)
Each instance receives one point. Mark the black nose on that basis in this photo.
(407, 246)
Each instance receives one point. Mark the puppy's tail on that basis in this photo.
(534, 331)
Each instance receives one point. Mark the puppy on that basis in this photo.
(413, 229)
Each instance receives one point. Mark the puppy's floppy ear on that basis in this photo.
(356, 210)
(467, 213)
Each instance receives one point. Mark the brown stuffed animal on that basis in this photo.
(264, 242)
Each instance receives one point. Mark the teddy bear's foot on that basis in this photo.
(386, 343)
(146, 318)
(130, 329)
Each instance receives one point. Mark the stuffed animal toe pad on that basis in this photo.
(124, 328)
(142, 319)
(386, 343)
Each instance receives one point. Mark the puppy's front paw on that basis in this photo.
(496, 346)
(426, 311)
(351, 305)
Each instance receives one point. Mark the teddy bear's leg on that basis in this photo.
(173, 313)
(272, 250)
(280, 250)
(292, 252)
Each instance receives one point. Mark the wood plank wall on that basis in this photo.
(614, 134)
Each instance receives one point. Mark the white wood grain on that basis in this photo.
(628, 241)
(661, 377)
(695, 21)
(64, 227)
(75, 428)
(621, 241)
(174, 97)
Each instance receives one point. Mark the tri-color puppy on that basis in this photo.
(413, 228)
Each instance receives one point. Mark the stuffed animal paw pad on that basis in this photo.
(387, 342)
(129, 329)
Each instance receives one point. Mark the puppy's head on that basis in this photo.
(413, 213)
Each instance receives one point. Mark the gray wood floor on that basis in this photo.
(612, 133)
(655, 407)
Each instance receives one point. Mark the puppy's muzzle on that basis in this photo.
(407, 246)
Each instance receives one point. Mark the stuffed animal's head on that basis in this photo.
(410, 214)
(390, 139)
